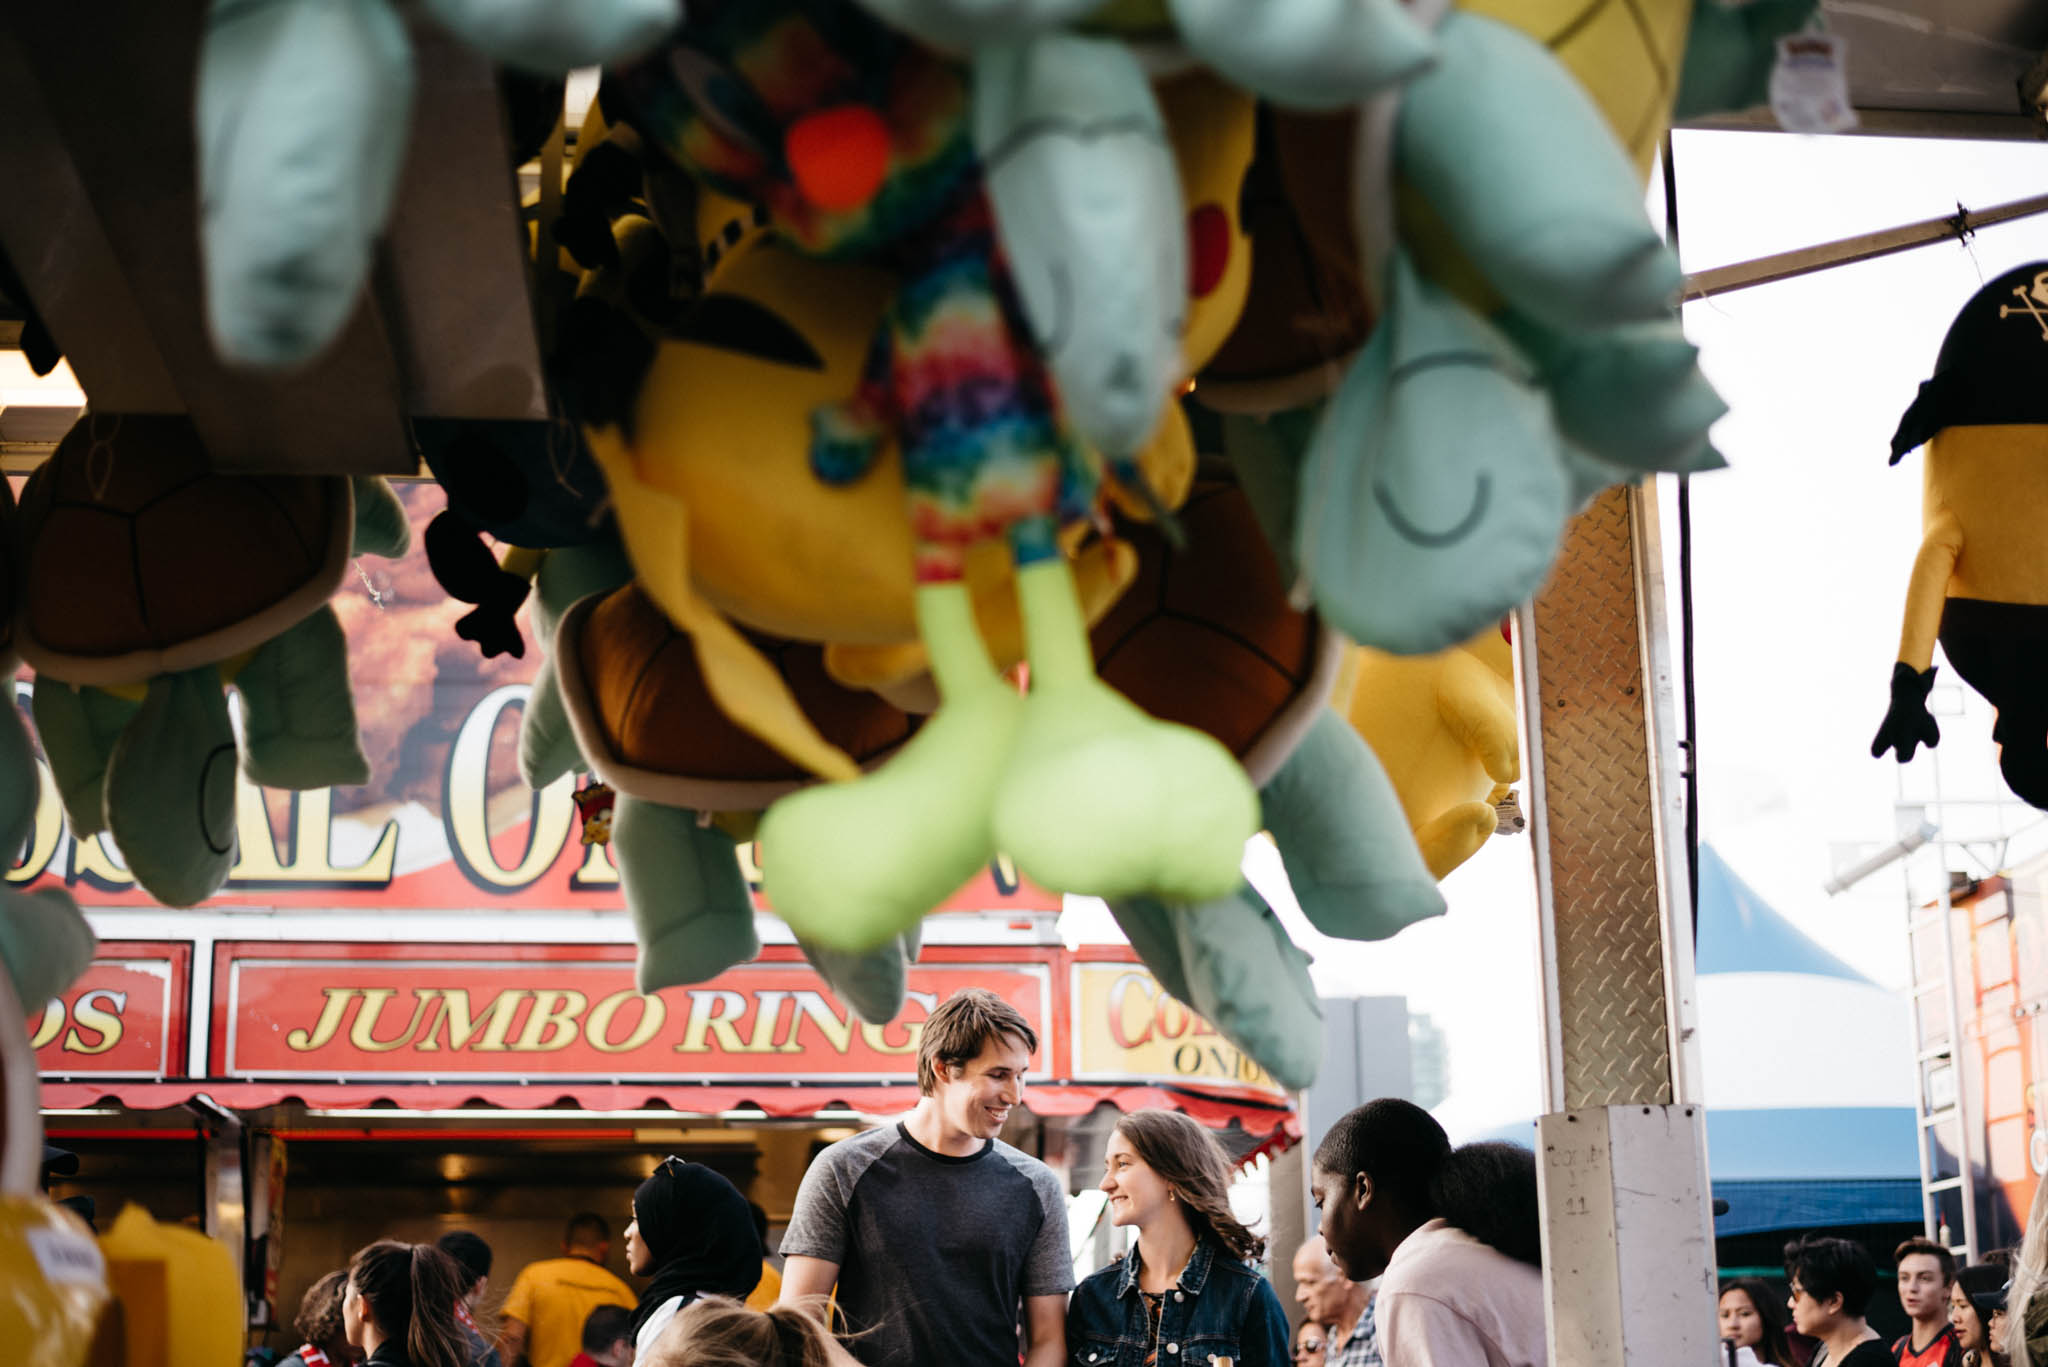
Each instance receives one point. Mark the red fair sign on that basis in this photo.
(445, 1013)
(124, 1017)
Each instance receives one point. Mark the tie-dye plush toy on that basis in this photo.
(857, 143)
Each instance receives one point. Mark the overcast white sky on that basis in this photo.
(1801, 554)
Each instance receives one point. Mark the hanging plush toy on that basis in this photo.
(1444, 726)
(1206, 637)
(1078, 786)
(180, 1295)
(1980, 582)
(1527, 350)
(1310, 54)
(150, 582)
(301, 118)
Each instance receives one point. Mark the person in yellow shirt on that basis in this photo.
(763, 1296)
(550, 1300)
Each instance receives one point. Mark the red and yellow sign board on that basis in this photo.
(1126, 1025)
(566, 1012)
(124, 1017)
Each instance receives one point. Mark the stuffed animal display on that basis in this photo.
(979, 427)
(1980, 582)
(149, 584)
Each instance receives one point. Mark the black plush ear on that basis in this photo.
(604, 185)
(465, 570)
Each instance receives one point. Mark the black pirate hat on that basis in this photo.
(1993, 367)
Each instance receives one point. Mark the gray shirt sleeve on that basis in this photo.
(1050, 1268)
(817, 1223)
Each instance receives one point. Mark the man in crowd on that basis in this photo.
(936, 1231)
(1925, 1271)
(607, 1338)
(550, 1300)
(1399, 1205)
(472, 1258)
(1329, 1298)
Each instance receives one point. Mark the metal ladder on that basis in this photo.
(1937, 1035)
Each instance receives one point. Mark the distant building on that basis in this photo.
(1429, 1056)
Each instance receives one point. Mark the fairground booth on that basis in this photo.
(412, 1009)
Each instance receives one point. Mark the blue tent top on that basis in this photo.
(1742, 933)
(1789, 1168)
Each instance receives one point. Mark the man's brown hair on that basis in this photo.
(1921, 1244)
(961, 1028)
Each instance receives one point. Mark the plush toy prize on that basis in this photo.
(1980, 582)
(1083, 790)
(151, 582)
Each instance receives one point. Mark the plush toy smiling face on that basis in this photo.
(849, 134)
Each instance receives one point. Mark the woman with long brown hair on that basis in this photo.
(399, 1306)
(1187, 1290)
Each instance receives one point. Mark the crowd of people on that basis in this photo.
(1958, 1314)
(932, 1241)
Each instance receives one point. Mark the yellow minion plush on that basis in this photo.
(1980, 581)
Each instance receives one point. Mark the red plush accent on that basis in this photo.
(1208, 249)
(839, 157)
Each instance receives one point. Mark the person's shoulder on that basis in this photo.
(1022, 1162)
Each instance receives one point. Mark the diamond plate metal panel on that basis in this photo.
(1600, 819)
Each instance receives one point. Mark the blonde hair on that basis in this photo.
(2029, 1281)
(717, 1331)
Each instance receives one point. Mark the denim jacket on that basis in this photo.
(1220, 1314)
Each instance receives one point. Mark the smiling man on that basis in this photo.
(935, 1231)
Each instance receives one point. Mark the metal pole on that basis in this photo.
(1628, 1248)
(1766, 270)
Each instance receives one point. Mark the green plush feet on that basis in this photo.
(852, 865)
(298, 715)
(170, 789)
(1231, 960)
(691, 911)
(1350, 859)
(78, 726)
(1099, 798)
(873, 983)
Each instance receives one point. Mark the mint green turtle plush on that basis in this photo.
(150, 582)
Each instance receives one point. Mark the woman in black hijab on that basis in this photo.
(693, 1234)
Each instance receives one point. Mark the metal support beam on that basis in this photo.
(1623, 1167)
(1766, 270)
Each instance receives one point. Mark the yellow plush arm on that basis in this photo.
(1468, 698)
(1927, 591)
(655, 528)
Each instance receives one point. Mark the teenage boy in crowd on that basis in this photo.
(934, 1230)
(1925, 1271)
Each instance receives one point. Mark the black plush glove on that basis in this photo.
(1908, 725)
